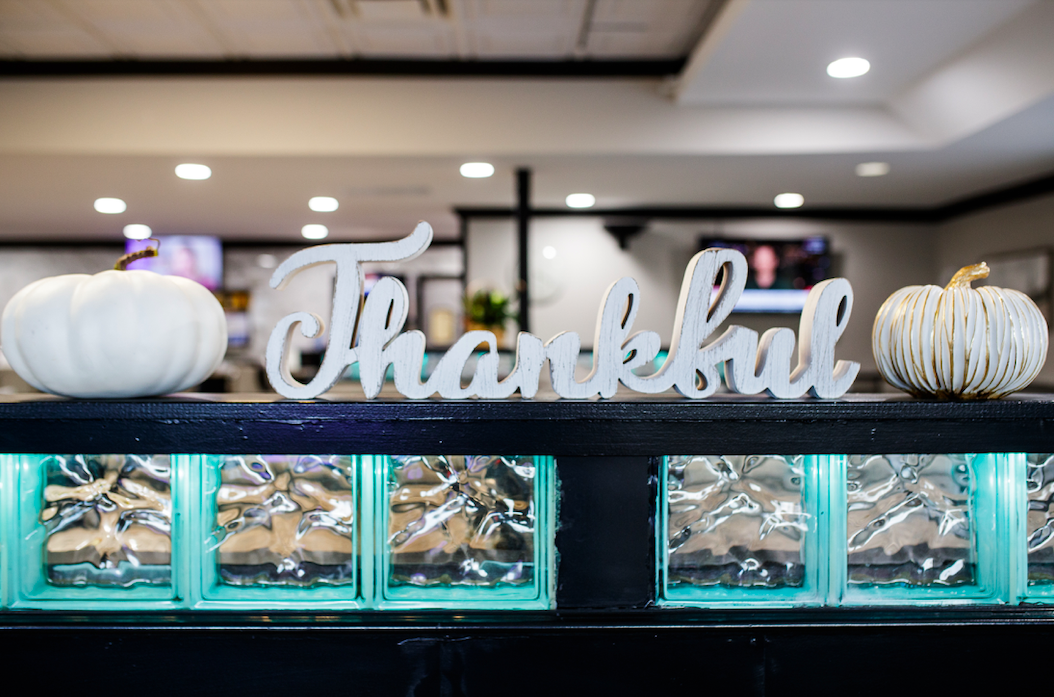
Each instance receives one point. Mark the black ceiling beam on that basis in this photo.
(351, 66)
(697, 212)
(1014, 193)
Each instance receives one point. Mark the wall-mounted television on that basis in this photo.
(780, 272)
(197, 257)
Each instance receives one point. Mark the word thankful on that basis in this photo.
(692, 367)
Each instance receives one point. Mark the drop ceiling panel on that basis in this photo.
(388, 10)
(28, 15)
(51, 42)
(164, 28)
(31, 28)
(499, 29)
(269, 28)
(619, 44)
(428, 41)
(667, 28)
(523, 10)
(538, 44)
(522, 28)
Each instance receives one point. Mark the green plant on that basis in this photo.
(489, 308)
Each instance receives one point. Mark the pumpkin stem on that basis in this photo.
(123, 262)
(967, 274)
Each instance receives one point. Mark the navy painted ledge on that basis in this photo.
(230, 424)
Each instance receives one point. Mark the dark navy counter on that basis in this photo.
(595, 428)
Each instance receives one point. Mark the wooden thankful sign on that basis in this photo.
(375, 339)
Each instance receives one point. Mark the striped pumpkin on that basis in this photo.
(959, 342)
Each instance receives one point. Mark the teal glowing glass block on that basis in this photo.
(8, 468)
(279, 531)
(740, 530)
(916, 529)
(1038, 527)
(97, 531)
(462, 532)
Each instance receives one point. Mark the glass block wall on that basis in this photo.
(890, 529)
(264, 532)
(252, 532)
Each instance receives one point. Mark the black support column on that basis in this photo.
(606, 534)
(523, 219)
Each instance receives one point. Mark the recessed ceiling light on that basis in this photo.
(192, 171)
(848, 67)
(580, 200)
(477, 170)
(137, 231)
(549, 252)
(789, 200)
(110, 205)
(323, 204)
(314, 231)
(872, 169)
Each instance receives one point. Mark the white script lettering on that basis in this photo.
(751, 365)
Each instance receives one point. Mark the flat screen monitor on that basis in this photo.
(197, 257)
(780, 272)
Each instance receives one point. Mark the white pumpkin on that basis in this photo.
(113, 334)
(959, 342)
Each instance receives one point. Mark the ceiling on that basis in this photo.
(434, 29)
(960, 100)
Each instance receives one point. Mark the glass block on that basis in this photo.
(107, 519)
(736, 520)
(467, 530)
(909, 520)
(285, 520)
(95, 529)
(921, 528)
(8, 472)
(739, 529)
(1039, 521)
(282, 530)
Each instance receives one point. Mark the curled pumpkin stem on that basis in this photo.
(966, 275)
(123, 262)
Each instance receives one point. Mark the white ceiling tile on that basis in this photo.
(423, 42)
(651, 12)
(523, 9)
(636, 45)
(162, 28)
(254, 11)
(523, 45)
(57, 42)
(270, 28)
(35, 29)
(390, 10)
(523, 28)
(658, 28)
(27, 13)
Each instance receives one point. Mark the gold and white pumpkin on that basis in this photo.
(113, 334)
(959, 342)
